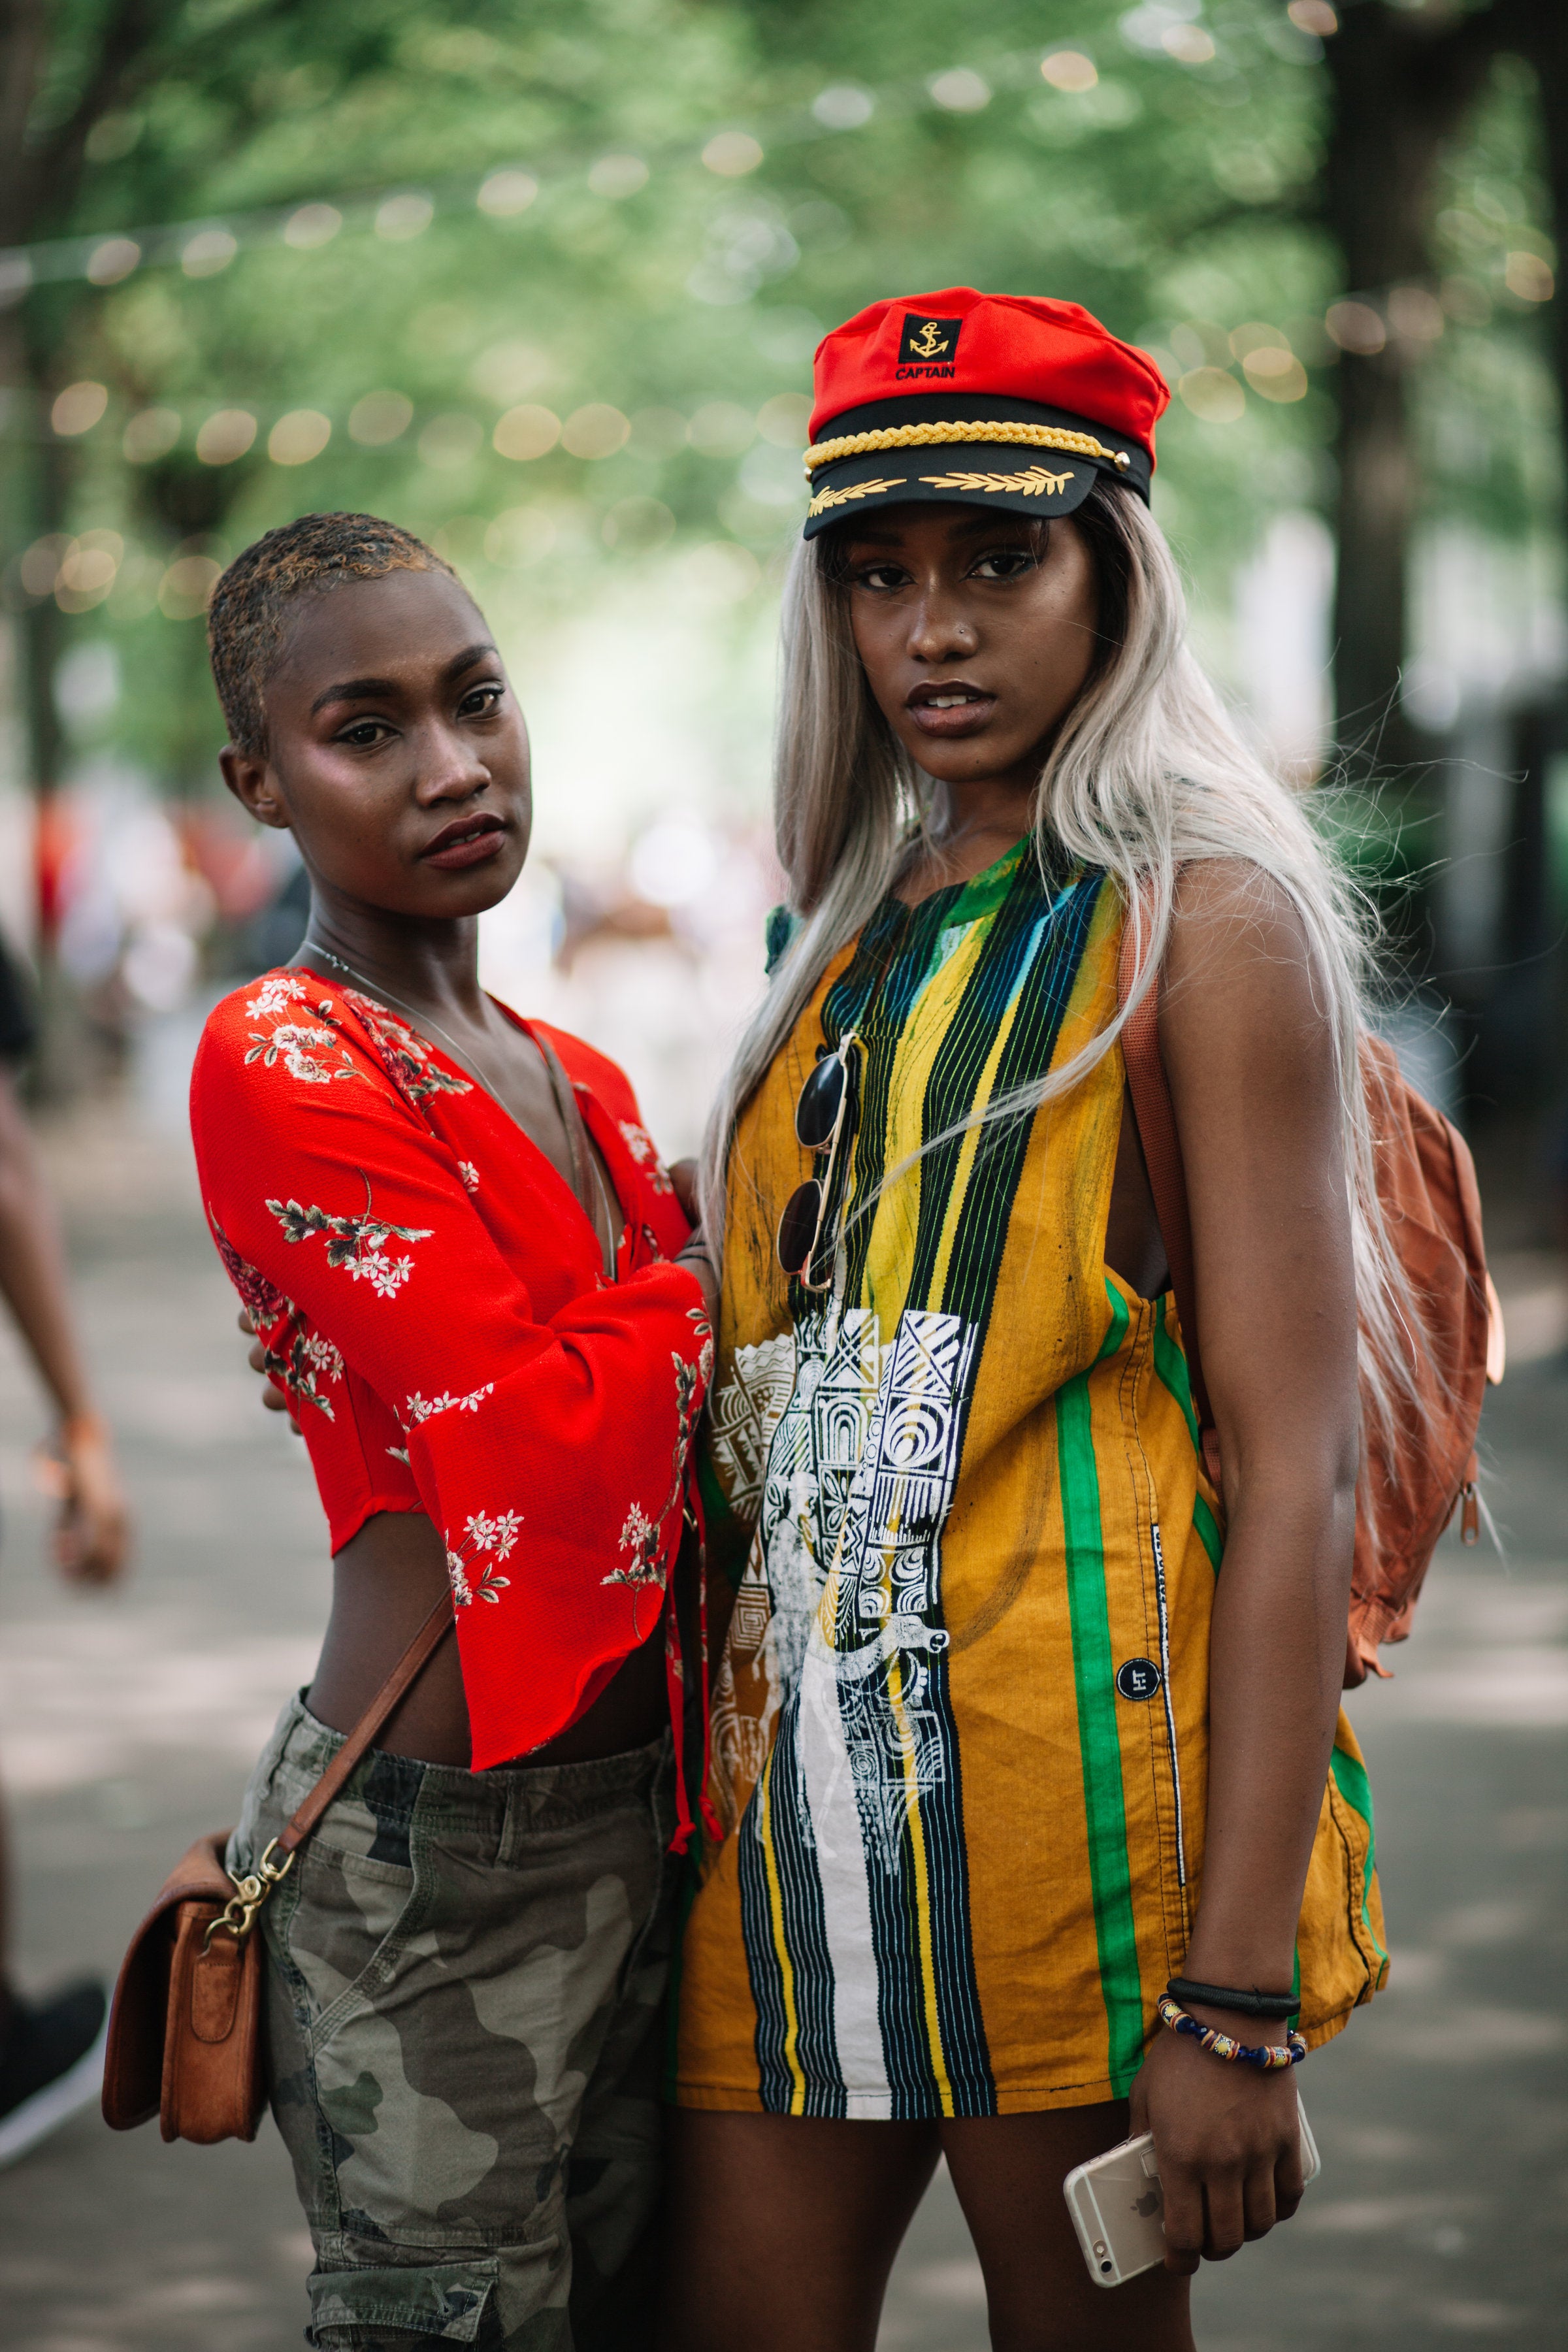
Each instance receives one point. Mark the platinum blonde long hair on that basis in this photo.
(1148, 772)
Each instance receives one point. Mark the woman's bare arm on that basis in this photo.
(1249, 1053)
(91, 1534)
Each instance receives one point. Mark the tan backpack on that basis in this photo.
(1410, 1486)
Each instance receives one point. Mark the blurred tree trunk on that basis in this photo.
(115, 48)
(1541, 28)
(1531, 917)
(40, 179)
(37, 504)
(1402, 80)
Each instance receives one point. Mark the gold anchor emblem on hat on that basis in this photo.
(929, 342)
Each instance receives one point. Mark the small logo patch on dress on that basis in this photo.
(1137, 1678)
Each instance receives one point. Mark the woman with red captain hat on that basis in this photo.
(1027, 1741)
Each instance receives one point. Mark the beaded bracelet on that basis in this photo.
(1266, 2054)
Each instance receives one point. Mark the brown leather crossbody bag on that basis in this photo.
(184, 2033)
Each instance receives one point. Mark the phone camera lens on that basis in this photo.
(1105, 2266)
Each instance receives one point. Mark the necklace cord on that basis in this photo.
(585, 1160)
(583, 1157)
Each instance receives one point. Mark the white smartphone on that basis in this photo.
(1118, 2206)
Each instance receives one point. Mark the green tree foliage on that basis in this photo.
(678, 196)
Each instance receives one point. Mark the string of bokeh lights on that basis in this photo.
(203, 248)
(1362, 323)
(1199, 359)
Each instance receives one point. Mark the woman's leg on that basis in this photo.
(783, 2228)
(1009, 2172)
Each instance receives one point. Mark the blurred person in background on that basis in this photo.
(1015, 1781)
(470, 1274)
(51, 2053)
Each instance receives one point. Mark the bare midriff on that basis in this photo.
(387, 1581)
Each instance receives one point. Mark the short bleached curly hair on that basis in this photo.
(248, 614)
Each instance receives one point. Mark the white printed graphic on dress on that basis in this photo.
(847, 1566)
(745, 1414)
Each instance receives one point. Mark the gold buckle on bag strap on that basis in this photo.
(238, 1914)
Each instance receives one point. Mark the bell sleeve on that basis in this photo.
(550, 1451)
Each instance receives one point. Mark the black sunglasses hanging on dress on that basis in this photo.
(819, 1119)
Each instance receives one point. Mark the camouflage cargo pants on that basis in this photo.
(465, 2012)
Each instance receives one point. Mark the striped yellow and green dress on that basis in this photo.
(960, 1715)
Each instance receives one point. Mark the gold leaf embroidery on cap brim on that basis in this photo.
(825, 498)
(1035, 483)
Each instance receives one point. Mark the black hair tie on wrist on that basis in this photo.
(1245, 2004)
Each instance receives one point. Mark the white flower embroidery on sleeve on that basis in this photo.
(322, 1356)
(304, 1363)
(306, 1050)
(645, 1152)
(482, 1533)
(402, 1052)
(639, 1537)
(297, 1358)
(703, 1329)
(420, 1408)
(469, 1174)
(279, 991)
(356, 1244)
(642, 1536)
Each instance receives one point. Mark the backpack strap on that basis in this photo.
(1156, 1119)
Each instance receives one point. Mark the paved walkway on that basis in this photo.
(127, 1726)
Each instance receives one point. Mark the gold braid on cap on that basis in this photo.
(918, 436)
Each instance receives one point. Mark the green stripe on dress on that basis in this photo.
(1351, 1780)
(1170, 1368)
(984, 892)
(1094, 1675)
(1171, 1364)
(1209, 1536)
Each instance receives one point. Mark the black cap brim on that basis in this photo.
(1021, 481)
(944, 447)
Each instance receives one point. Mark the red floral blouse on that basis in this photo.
(431, 1295)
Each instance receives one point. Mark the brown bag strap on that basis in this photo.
(1156, 1118)
(401, 1679)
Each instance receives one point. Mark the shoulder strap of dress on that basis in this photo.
(1156, 1118)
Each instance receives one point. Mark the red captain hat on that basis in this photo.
(1000, 400)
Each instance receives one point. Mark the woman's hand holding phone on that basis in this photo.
(1227, 2139)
